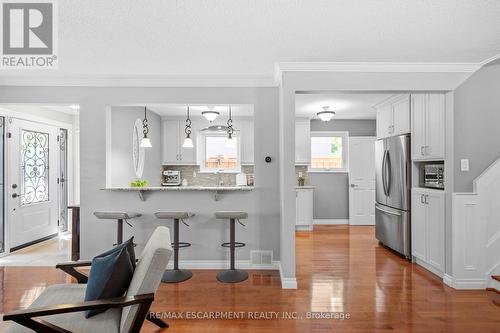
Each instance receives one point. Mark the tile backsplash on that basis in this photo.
(196, 178)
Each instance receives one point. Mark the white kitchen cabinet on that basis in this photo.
(304, 209)
(428, 126)
(172, 139)
(247, 141)
(393, 117)
(428, 219)
(302, 141)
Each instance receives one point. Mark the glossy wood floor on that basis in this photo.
(339, 269)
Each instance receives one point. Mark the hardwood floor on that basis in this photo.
(339, 269)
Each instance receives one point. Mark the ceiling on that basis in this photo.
(345, 105)
(226, 37)
(41, 108)
(179, 110)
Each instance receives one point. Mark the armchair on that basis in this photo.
(60, 308)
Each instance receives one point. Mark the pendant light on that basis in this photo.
(145, 142)
(188, 142)
(326, 115)
(211, 114)
(230, 141)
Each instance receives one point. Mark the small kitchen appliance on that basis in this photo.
(171, 178)
(432, 175)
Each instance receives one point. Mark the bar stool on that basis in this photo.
(119, 217)
(232, 275)
(176, 275)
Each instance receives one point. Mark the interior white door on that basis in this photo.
(32, 182)
(362, 180)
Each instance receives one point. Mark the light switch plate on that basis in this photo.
(464, 164)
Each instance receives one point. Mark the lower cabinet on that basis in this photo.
(304, 209)
(427, 229)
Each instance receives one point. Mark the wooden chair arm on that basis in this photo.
(25, 317)
(119, 302)
(70, 269)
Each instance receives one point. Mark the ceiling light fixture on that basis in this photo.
(145, 142)
(211, 114)
(188, 142)
(325, 115)
(230, 142)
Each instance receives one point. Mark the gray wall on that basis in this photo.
(122, 124)
(476, 124)
(331, 192)
(262, 229)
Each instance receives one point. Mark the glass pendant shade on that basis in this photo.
(146, 143)
(230, 143)
(188, 142)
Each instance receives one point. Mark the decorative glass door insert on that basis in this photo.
(34, 167)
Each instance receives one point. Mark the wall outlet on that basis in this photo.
(464, 164)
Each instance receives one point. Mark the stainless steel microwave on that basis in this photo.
(432, 175)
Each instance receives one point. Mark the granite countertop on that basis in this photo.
(181, 188)
(305, 187)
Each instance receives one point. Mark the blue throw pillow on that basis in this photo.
(110, 276)
(130, 248)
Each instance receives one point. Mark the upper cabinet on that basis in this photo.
(393, 117)
(172, 139)
(302, 141)
(428, 126)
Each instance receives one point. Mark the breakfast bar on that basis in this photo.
(216, 190)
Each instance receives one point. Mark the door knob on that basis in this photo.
(15, 195)
(354, 185)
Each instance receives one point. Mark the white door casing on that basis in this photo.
(32, 181)
(362, 180)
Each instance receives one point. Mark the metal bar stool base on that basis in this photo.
(232, 276)
(176, 275)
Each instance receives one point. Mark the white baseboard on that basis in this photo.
(330, 221)
(221, 264)
(287, 283)
(304, 228)
(464, 283)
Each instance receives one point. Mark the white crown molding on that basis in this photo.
(243, 80)
(376, 67)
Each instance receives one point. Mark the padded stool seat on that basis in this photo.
(226, 214)
(116, 215)
(173, 215)
(119, 217)
(176, 275)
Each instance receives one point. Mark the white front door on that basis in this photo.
(362, 180)
(32, 182)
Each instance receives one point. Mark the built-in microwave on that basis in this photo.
(432, 175)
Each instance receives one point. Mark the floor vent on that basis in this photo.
(261, 257)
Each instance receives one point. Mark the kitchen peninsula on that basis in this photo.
(206, 175)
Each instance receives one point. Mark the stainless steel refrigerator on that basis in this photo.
(393, 193)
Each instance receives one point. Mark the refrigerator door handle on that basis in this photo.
(384, 173)
(386, 211)
(389, 171)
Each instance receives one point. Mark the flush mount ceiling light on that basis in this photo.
(211, 114)
(230, 142)
(188, 142)
(325, 115)
(145, 142)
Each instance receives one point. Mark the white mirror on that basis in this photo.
(138, 152)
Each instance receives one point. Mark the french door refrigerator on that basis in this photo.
(393, 193)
